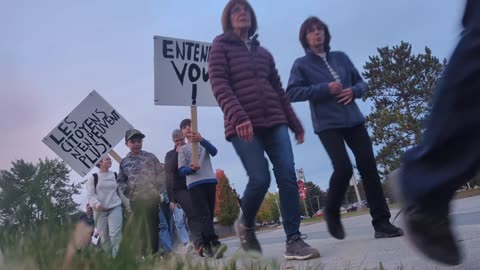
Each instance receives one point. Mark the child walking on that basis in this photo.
(201, 183)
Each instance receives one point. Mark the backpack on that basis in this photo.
(95, 180)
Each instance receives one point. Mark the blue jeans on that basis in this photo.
(165, 240)
(275, 142)
(448, 155)
(179, 218)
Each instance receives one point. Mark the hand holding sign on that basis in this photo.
(195, 167)
(195, 137)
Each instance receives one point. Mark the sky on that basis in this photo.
(54, 53)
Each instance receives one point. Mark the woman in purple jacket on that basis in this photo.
(330, 82)
(257, 115)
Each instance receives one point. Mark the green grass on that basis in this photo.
(45, 249)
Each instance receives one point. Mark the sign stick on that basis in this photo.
(115, 156)
(193, 111)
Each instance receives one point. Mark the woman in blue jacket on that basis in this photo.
(330, 82)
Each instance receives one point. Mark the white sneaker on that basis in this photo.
(188, 248)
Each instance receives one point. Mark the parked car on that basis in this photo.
(319, 213)
(365, 203)
(352, 208)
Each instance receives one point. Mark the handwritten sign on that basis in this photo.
(178, 65)
(87, 134)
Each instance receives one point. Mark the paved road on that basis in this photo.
(361, 251)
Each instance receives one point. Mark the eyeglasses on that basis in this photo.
(239, 9)
(136, 140)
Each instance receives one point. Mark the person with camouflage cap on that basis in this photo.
(141, 178)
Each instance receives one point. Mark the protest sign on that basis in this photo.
(87, 134)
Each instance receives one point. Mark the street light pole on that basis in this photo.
(354, 182)
(278, 206)
(305, 204)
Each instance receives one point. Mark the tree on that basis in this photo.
(269, 208)
(31, 194)
(226, 206)
(400, 85)
(314, 191)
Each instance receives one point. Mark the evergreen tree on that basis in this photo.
(31, 194)
(401, 85)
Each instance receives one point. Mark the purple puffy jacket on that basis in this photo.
(247, 86)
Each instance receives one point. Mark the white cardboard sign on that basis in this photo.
(87, 134)
(178, 65)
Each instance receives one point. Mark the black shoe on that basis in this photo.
(431, 234)
(428, 228)
(334, 225)
(248, 239)
(387, 230)
(207, 251)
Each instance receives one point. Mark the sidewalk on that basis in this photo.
(359, 250)
(363, 252)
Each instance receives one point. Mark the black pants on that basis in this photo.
(201, 229)
(144, 226)
(183, 198)
(359, 142)
(448, 155)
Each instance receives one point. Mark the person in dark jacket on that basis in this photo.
(87, 217)
(448, 155)
(331, 83)
(177, 188)
(257, 115)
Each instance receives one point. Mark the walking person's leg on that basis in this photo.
(252, 155)
(448, 155)
(358, 140)
(165, 241)
(334, 145)
(101, 220)
(153, 222)
(184, 199)
(200, 220)
(218, 249)
(179, 218)
(136, 237)
(279, 150)
(115, 223)
(172, 230)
